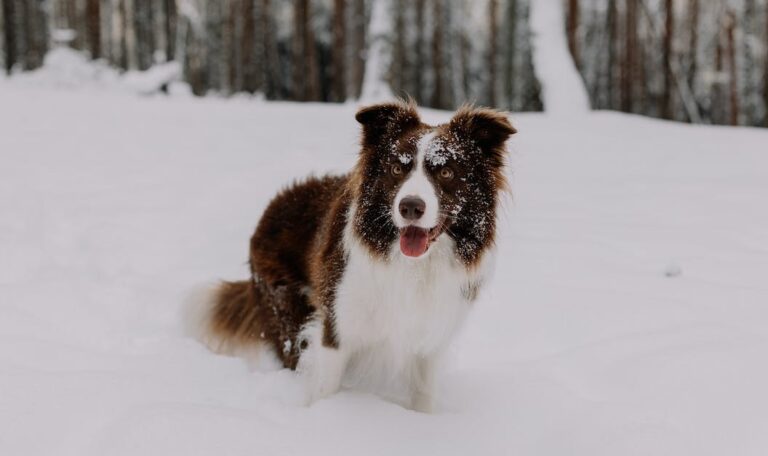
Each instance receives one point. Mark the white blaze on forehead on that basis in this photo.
(418, 184)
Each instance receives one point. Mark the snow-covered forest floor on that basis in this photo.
(628, 315)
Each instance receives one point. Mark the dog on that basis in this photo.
(380, 265)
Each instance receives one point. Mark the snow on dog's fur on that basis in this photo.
(376, 267)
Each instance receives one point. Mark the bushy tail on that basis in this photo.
(225, 319)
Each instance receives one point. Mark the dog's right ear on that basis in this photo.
(385, 121)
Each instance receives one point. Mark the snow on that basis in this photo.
(563, 91)
(115, 207)
(65, 68)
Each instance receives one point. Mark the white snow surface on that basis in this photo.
(115, 207)
(563, 91)
(68, 69)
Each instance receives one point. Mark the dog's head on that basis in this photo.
(415, 182)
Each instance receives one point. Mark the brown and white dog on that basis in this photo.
(376, 266)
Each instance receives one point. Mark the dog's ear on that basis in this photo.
(487, 128)
(386, 120)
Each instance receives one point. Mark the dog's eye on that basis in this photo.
(397, 170)
(446, 174)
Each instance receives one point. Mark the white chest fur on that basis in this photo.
(406, 306)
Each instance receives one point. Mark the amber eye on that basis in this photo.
(397, 170)
(446, 174)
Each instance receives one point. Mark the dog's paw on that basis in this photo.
(422, 403)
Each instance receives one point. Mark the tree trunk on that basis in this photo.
(117, 53)
(2, 35)
(93, 20)
(250, 82)
(613, 38)
(398, 70)
(376, 86)
(732, 70)
(274, 84)
(358, 49)
(457, 37)
(145, 42)
(572, 26)
(160, 32)
(629, 64)
(669, 29)
(510, 53)
(24, 30)
(749, 86)
(765, 71)
(716, 97)
(299, 64)
(171, 21)
(234, 44)
(693, 43)
(438, 58)
(493, 36)
(9, 37)
(418, 91)
(339, 51)
(306, 74)
(132, 58)
(35, 35)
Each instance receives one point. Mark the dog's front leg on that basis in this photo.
(321, 368)
(422, 383)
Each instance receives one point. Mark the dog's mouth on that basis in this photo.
(415, 241)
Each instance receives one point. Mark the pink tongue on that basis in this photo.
(413, 241)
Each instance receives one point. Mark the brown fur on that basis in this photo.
(297, 257)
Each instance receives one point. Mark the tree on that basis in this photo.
(438, 56)
(629, 63)
(171, 21)
(3, 36)
(765, 71)
(419, 57)
(730, 25)
(339, 51)
(457, 37)
(572, 26)
(272, 74)
(749, 84)
(233, 50)
(305, 75)
(693, 42)
(129, 22)
(142, 23)
(250, 77)
(377, 63)
(493, 37)
(510, 46)
(716, 97)
(669, 31)
(612, 24)
(93, 27)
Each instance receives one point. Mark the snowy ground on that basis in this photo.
(629, 315)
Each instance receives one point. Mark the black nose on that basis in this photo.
(412, 207)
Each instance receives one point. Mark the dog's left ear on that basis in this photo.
(488, 129)
(386, 120)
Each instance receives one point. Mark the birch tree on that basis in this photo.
(375, 86)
